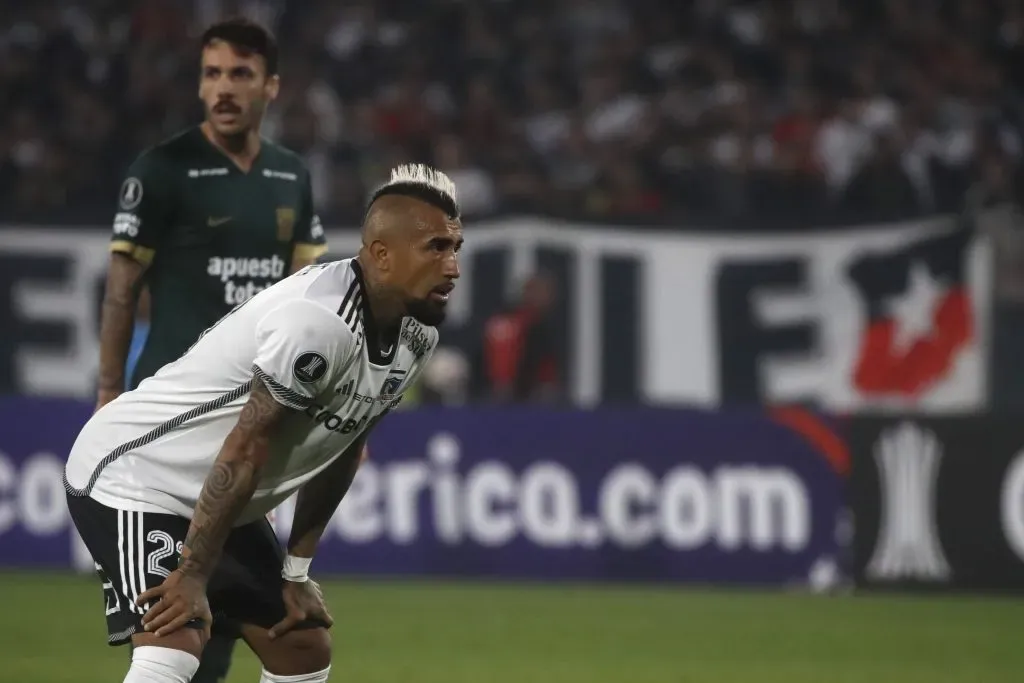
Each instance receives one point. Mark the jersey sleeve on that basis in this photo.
(300, 347)
(143, 209)
(310, 238)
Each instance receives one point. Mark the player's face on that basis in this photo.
(426, 267)
(234, 88)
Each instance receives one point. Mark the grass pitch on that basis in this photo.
(433, 632)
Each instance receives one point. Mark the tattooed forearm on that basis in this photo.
(231, 483)
(124, 282)
(228, 488)
(319, 498)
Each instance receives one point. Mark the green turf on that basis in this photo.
(472, 633)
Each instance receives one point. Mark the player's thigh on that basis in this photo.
(246, 593)
(188, 640)
(133, 552)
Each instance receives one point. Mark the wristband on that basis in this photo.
(296, 569)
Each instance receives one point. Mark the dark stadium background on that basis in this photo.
(733, 127)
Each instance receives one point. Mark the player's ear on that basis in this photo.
(381, 257)
(272, 88)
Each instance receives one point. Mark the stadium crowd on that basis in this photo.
(678, 110)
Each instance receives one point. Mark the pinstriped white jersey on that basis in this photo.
(305, 338)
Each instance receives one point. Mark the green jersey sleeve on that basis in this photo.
(310, 239)
(144, 212)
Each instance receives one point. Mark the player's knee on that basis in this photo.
(306, 652)
(152, 664)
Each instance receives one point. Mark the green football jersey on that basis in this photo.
(211, 234)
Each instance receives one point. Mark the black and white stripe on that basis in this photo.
(122, 636)
(281, 393)
(351, 305)
(131, 557)
(155, 433)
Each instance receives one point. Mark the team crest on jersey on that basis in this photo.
(393, 382)
(285, 223)
(309, 367)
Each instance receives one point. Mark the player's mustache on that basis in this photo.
(226, 107)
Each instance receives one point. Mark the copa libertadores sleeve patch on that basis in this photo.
(131, 193)
(309, 367)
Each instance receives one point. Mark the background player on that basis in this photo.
(205, 220)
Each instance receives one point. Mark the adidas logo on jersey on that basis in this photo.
(348, 390)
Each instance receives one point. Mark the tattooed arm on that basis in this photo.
(231, 483)
(319, 498)
(121, 296)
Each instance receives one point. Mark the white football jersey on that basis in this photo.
(305, 339)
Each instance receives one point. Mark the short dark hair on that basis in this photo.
(246, 36)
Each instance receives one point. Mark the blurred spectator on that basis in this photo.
(712, 110)
(517, 358)
(843, 144)
(881, 185)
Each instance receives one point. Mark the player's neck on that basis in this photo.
(241, 149)
(387, 311)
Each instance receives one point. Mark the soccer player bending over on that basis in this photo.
(169, 485)
(205, 219)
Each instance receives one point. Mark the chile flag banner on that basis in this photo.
(920, 318)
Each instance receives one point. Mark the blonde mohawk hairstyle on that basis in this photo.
(424, 183)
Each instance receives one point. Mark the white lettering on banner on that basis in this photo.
(629, 483)
(685, 518)
(549, 506)
(34, 497)
(405, 482)
(33, 500)
(69, 302)
(1012, 506)
(444, 452)
(735, 507)
(681, 356)
(489, 494)
(360, 519)
(731, 507)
